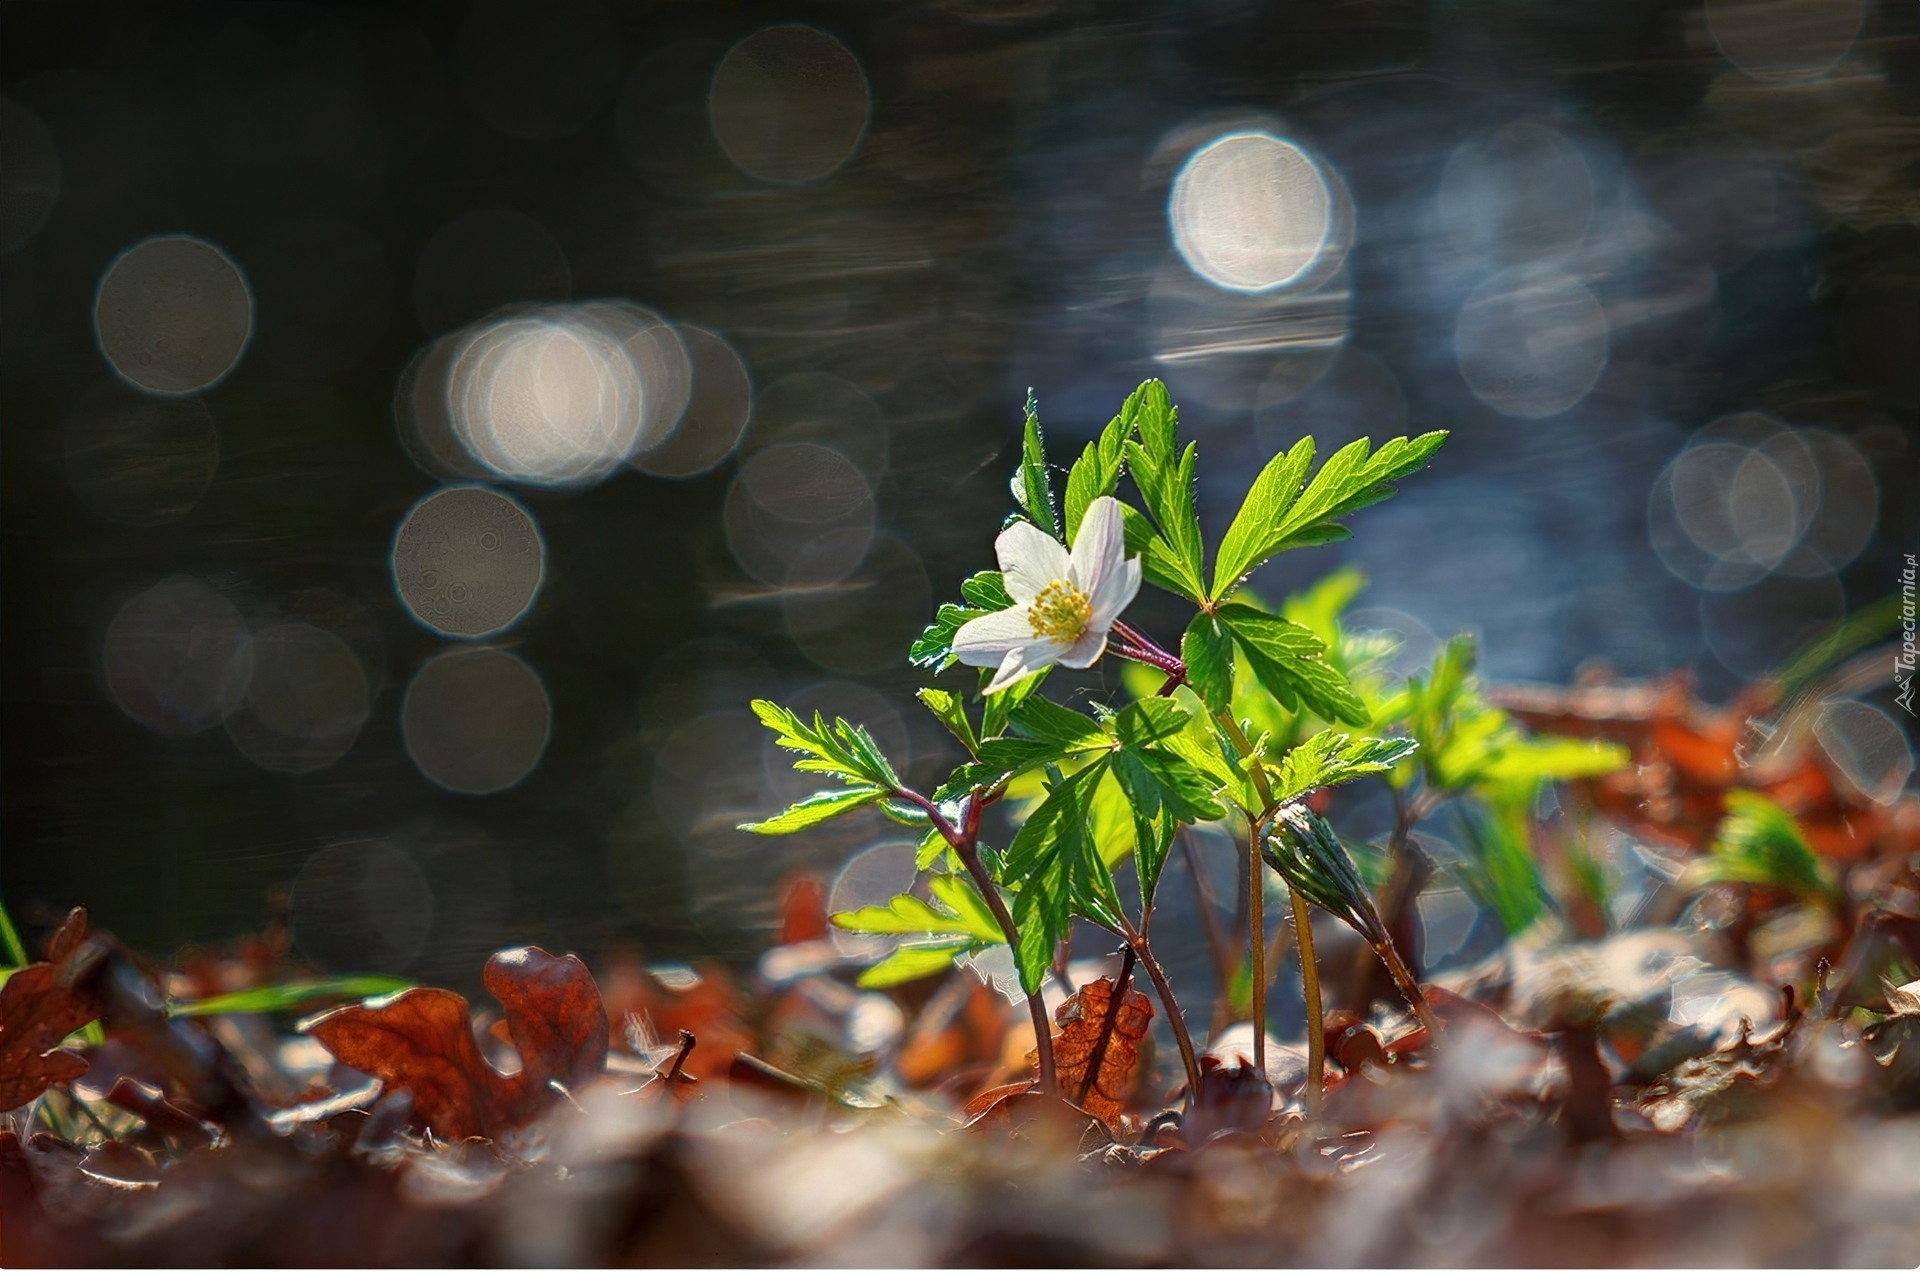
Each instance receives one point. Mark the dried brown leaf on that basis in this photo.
(1094, 1032)
(37, 1012)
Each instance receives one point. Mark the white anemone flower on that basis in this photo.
(1063, 604)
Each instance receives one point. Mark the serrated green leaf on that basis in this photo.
(1055, 865)
(1182, 788)
(1498, 870)
(842, 749)
(1272, 493)
(910, 963)
(905, 914)
(1275, 519)
(1149, 722)
(1096, 472)
(1173, 558)
(1759, 842)
(1031, 488)
(998, 707)
(958, 893)
(1329, 758)
(950, 710)
(1040, 921)
(1291, 664)
(1050, 722)
(1151, 413)
(986, 591)
(815, 809)
(928, 851)
(1207, 650)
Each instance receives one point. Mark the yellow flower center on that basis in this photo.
(1060, 612)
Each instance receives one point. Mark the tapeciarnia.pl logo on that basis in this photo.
(1903, 661)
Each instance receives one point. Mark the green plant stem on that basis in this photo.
(1256, 894)
(1316, 1018)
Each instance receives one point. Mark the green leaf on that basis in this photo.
(1031, 489)
(1329, 758)
(1279, 515)
(905, 914)
(1096, 472)
(844, 750)
(1149, 411)
(958, 893)
(1175, 552)
(1050, 722)
(1759, 842)
(286, 997)
(928, 851)
(1207, 650)
(1055, 864)
(951, 711)
(1291, 664)
(1499, 871)
(999, 706)
(1273, 492)
(815, 809)
(1149, 722)
(984, 593)
(1040, 920)
(1182, 789)
(910, 963)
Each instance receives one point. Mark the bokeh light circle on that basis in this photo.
(799, 515)
(468, 561)
(1784, 39)
(865, 622)
(29, 175)
(545, 399)
(873, 876)
(1866, 746)
(1518, 193)
(178, 657)
(361, 906)
(719, 408)
(476, 721)
(1748, 496)
(1529, 344)
(138, 460)
(1251, 212)
(306, 703)
(789, 104)
(172, 315)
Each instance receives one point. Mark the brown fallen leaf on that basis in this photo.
(555, 1017)
(421, 1041)
(39, 1006)
(1098, 1045)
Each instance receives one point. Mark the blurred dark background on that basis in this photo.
(276, 273)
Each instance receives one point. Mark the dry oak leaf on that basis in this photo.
(421, 1040)
(41, 1004)
(1098, 1045)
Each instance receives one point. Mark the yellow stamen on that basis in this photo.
(1060, 612)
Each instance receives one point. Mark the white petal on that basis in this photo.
(1087, 650)
(1030, 558)
(984, 641)
(1114, 594)
(1023, 662)
(1100, 546)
